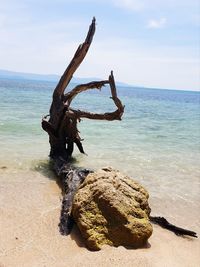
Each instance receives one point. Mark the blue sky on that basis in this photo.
(149, 43)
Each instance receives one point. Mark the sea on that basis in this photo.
(157, 142)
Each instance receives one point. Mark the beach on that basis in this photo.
(30, 210)
(156, 143)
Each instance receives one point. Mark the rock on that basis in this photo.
(110, 208)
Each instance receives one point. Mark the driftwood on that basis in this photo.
(71, 178)
(61, 126)
(171, 227)
(62, 123)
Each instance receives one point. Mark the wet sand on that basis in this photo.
(30, 205)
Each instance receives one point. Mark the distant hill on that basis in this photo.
(27, 76)
(6, 74)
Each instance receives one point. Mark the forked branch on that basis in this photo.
(62, 123)
(110, 116)
(81, 88)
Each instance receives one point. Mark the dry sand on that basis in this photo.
(29, 214)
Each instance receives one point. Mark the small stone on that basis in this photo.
(4, 167)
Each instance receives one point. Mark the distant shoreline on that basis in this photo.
(13, 75)
(132, 87)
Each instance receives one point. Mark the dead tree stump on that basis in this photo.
(61, 126)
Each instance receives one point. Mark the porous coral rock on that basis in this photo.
(111, 208)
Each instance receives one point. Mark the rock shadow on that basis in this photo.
(146, 246)
(75, 235)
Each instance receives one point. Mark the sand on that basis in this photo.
(30, 204)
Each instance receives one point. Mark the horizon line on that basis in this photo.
(87, 78)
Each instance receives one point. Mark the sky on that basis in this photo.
(146, 43)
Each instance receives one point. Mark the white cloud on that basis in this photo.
(156, 24)
(143, 4)
(134, 5)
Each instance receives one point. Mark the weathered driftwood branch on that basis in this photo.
(61, 126)
(68, 97)
(62, 123)
(177, 230)
(71, 179)
(110, 116)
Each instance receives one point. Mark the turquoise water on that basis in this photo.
(157, 142)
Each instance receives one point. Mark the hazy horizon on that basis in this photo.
(52, 77)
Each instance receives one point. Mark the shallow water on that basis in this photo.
(157, 142)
